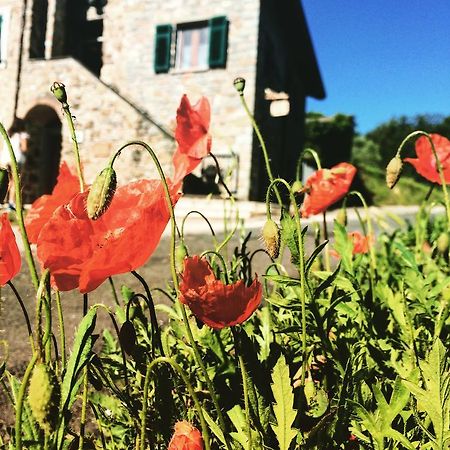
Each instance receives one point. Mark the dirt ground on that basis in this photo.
(13, 330)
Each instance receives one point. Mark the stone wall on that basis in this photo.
(128, 64)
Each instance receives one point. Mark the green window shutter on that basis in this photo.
(163, 39)
(218, 41)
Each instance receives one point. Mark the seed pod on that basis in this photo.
(127, 337)
(271, 238)
(442, 243)
(239, 84)
(43, 397)
(101, 193)
(341, 217)
(59, 91)
(4, 183)
(393, 171)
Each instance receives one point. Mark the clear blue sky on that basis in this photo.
(381, 58)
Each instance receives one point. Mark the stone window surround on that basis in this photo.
(4, 13)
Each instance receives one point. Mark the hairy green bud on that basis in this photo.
(271, 238)
(393, 171)
(239, 84)
(43, 397)
(101, 193)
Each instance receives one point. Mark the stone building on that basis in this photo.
(126, 64)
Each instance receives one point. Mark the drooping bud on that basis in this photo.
(59, 91)
(101, 193)
(43, 397)
(4, 183)
(186, 436)
(239, 84)
(442, 243)
(180, 253)
(297, 186)
(341, 217)
(393, 171)
(271, 238)
(127, 337)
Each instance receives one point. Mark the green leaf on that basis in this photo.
(344, 246)
(283, 407)
(434, 396)
(214, 427)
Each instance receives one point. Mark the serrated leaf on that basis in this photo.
(343, 246)
(214, 427)
(283, 407)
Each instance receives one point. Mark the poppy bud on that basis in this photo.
(271, 237)
(442, 243)
(59, 91)
(180, 253)
(393, 171)
(101, 193)
(297, 186)
(43, 397)
(239, 84)
(186, 437)
(4, 183)
(127, 337)
(341, 217)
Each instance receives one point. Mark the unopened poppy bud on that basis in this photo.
(43, 397)
(59, 91)
(127, 337)
(393, 171)
(341, 217)
(297, 186)
(180, 253)
(271, 237)
(443, 243)
(239, 84)
(4, 183)
(101, 193)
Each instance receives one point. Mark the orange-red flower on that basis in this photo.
(186, 437)
(192, 136)
(82, 253)
(216, 304)
(425, 163)
(9, 253)
(361, 243)
(325, 187)
(43, 208)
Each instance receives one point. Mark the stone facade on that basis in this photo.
(122, 98)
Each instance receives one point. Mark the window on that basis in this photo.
(3, 35)
(191, 46)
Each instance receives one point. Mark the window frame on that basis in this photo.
(4, 14)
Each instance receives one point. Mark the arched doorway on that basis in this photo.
(44, 152)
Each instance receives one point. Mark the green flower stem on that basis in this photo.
(174, 232)
(219, 174)
(61, 328)
(301, 267)
(38, 319)
(205, 219)
(370, 233)
(245, 382)
(76, 149)
(222, 260)
(263, 146)
(156, 333)
(21, 399)
(325, 236)
(114, 292)
(313, 153)
(438, 167)
(84, 397)
(198, 406)
(19, 209)
(25, 314)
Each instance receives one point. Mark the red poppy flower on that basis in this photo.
(192, 136)
(325, 187)
(10, 260)
(186, 437)
(360, 243)
(82, 253)
(425, 163)
(43, 208)
(216, 304)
